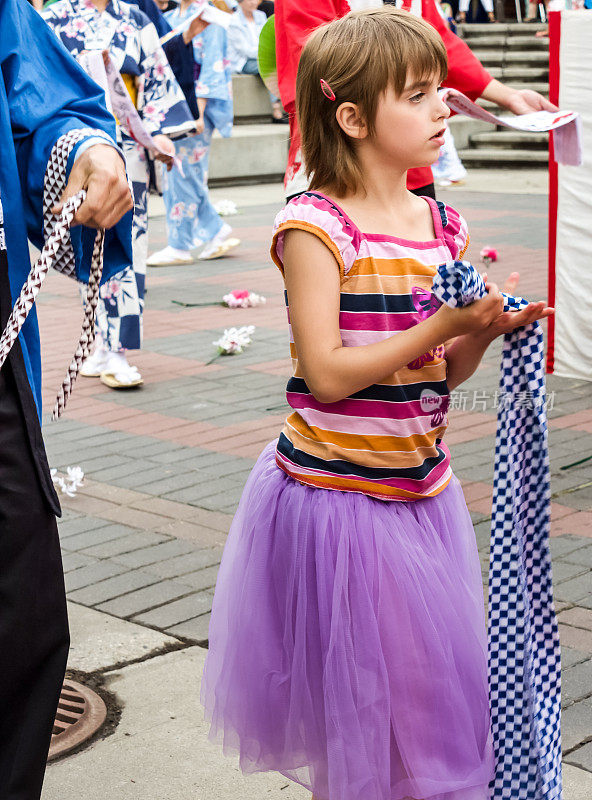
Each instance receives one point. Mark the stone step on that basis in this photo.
(510, 58)
(251, 100)
(526, 75)
(253, 154)
(505, 158)
(473, 30)
(505, 139)
(512, 42)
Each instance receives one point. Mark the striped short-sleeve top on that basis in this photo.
(386, 440)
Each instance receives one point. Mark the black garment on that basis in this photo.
(425, 191)
(267, 6)
(34, 635)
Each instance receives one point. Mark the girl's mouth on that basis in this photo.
(438, 138)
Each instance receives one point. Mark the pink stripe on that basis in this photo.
(359, 408)
(359, 338)
(429, 255)
(367, 426)
(372, 321)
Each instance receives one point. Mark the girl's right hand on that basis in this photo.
(199, 126)
(474, 318)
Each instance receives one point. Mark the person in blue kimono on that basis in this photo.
(44, 95)
(191, 219)
(134, 47)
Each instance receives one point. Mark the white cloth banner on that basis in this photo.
(572, 340)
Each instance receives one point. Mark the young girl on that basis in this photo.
(348, 641)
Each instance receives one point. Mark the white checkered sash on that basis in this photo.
(58, 253)
(524, 658)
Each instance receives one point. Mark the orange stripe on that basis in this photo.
(309, 228)
(402, 268)
(370, 449)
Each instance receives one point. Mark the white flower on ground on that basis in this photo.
(233, 340)
(226, 208)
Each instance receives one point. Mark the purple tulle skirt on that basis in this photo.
(348, 644)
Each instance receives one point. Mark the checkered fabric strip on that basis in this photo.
(524, 659)
(58, 252)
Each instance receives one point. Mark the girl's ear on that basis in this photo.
(351, 121)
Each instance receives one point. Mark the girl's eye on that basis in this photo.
(417, 97)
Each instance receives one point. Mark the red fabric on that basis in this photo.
(296, 19)
(554, 48)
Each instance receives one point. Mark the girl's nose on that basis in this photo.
(442, 110)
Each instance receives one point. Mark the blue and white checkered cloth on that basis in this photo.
(524, 659)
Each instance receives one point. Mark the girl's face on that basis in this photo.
(409, 128)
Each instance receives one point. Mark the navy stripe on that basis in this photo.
(443, 214)
(343, 468)
(389, 303)
(387, 394)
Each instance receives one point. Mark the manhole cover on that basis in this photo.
(81, 712)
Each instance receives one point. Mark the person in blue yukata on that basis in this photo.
(134, 47)
(44, 95)
(191, 219)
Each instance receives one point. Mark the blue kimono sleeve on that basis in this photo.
(214, 78)
(48, 95)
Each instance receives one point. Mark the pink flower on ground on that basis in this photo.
(489, 255)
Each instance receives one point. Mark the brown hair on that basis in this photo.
(359, 56)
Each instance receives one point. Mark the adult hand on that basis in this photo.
(167, 145)
(197, 26)
(519, 101)
(101, 171)
(525, 101)
(199, 126)
(507, 321)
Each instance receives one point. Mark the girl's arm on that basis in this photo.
(465, 353)
(332, 371)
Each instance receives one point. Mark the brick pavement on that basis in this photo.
(165, 465)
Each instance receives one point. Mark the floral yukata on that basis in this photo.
(135, 49)
(191, 218)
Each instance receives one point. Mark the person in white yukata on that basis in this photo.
(134, 47)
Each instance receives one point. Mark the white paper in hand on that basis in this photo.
(566, 125)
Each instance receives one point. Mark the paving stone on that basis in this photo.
(126, 544)
(91, 574)
(158, 474)
(187, 563)
(574, 589)
(567, 544)
(157, 553)
(563, 571)
(570, 657)
(201, 579)
(178, 611)
(165, 485)
(583, 556)
(576, 724)
(578, 617)
(96, 536)
(576, 682)
(79, 524)
(582, 757)
(71, 561)
(195, 629)
(146, 598)
(113, 587)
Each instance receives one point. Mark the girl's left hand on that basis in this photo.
(509, 320)
(167, 145)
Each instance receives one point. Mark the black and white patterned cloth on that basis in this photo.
(58, 253)
(524, 659)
